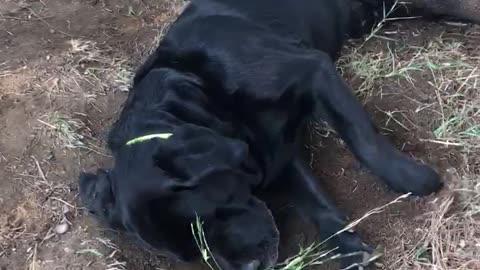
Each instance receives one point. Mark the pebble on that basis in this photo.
(61, 228)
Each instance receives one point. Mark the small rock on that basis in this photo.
(68, 250)
(51, 155)
(452, 170)
(61, 228)
(462, 244)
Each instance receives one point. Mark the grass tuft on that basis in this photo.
(66, 130)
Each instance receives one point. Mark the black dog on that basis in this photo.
(235, 82)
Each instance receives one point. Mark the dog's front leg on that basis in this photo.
(301, 187)
(337, 105)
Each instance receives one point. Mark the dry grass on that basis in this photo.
(43, 207)
(83, 72)
(454, 83)
(450, 238)
(84, 69)
(19, 223)
(98, 67)
(66, 131)
(175, 8)
(372, 67)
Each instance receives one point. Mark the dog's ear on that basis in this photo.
(194, 154)
(161, 57)
(97, 196)
(167, 55)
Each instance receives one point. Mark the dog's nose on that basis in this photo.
(253, 265)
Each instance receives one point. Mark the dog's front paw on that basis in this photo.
(355, 254)
(406, 175)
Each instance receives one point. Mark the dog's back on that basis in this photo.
(320, 24)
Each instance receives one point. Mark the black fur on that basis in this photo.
(234, 82)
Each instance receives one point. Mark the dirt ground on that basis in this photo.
(65, 67)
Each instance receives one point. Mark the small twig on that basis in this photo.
(32, 265)
(447, 143)
(40, 171)
(47, 124)
(391, 117)
(62, 201)
(90, 251)
(26, 19)
(369, 213)
(470, 76)
(403, 18)
(47, 236)
(380, 24)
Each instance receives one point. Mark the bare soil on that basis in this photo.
(64, 66)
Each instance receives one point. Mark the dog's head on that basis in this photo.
(194, 174)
